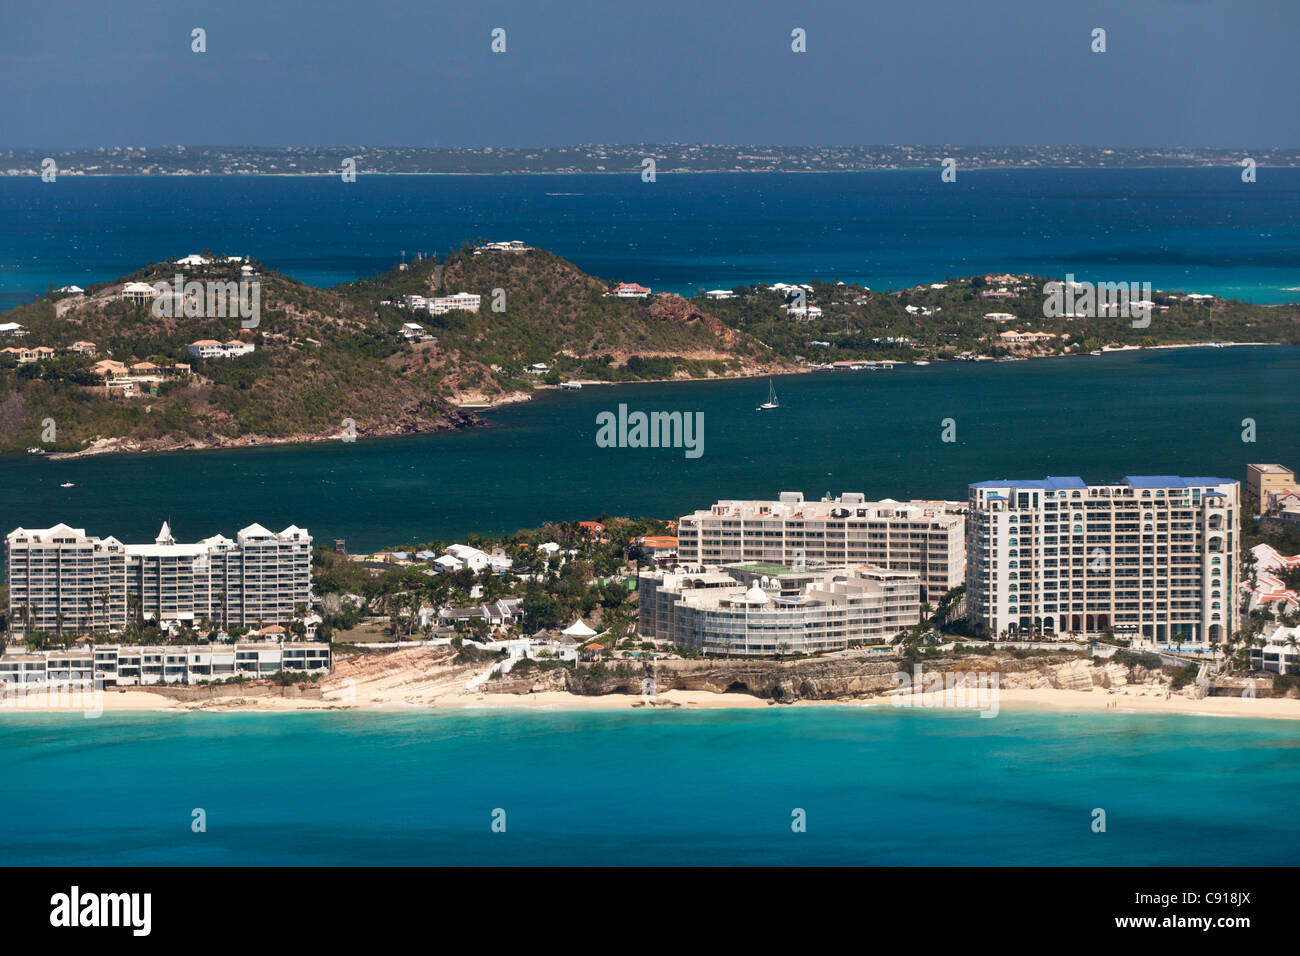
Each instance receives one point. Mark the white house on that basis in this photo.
(12, 328)
(211, 348)
(138, 292)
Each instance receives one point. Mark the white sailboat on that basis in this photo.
(771, 402)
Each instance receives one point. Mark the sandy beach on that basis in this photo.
(453, 697)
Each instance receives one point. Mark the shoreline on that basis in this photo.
(111, 446)
(630, 171)
(448, 700)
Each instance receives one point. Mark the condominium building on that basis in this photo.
(1265, 481)
(110, 665)
(62, 580)
(747, 610)
(1153, 557)
(924, 537)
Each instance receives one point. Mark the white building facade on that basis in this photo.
(923, 537)
(741, 611)
(61, 580)
(1151, 557)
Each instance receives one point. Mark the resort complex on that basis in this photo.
(1153, 557)
(60, 580)
(922, 537)
(745, 610)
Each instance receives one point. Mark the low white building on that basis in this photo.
(112, 665)
(211, 348)
(1280, 652)
(513, 245)
(12, 328)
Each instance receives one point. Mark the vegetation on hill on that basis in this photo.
(325, 356)
(859, 324)
(537, 308)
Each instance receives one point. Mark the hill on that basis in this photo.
(319, 357)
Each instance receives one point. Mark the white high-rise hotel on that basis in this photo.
(61, 580)
(1149, 556)
(925, 537)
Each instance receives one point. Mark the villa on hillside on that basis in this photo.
(414, 333)
(1025, 338)
(210, 348)
(513, 245)
(12, 328)
(138, 292)
(629, 290)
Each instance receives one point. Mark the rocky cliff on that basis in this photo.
(826, 678)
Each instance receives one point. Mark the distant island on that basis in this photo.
(144, 362)
(620, 159)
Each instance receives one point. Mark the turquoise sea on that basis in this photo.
(878, 786)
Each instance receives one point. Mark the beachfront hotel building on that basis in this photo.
(1151, 557)
(923, 537)
(61, 580)
(109, 665)
(751, 610)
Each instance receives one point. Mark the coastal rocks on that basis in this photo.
(1076, 675)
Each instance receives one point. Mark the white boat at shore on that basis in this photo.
(571, 386)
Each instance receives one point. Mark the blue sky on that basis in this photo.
(400, 72)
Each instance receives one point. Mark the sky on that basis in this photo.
(1217, 73)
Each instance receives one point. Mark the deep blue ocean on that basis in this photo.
(1197, 230)
(878, 786)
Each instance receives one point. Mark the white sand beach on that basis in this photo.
(453, 696)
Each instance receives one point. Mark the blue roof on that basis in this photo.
(1171, 481)
(1049, 483)
(1076, 483)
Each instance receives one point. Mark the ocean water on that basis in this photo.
(1153, 412)
(878, 786)
(1191, 229)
